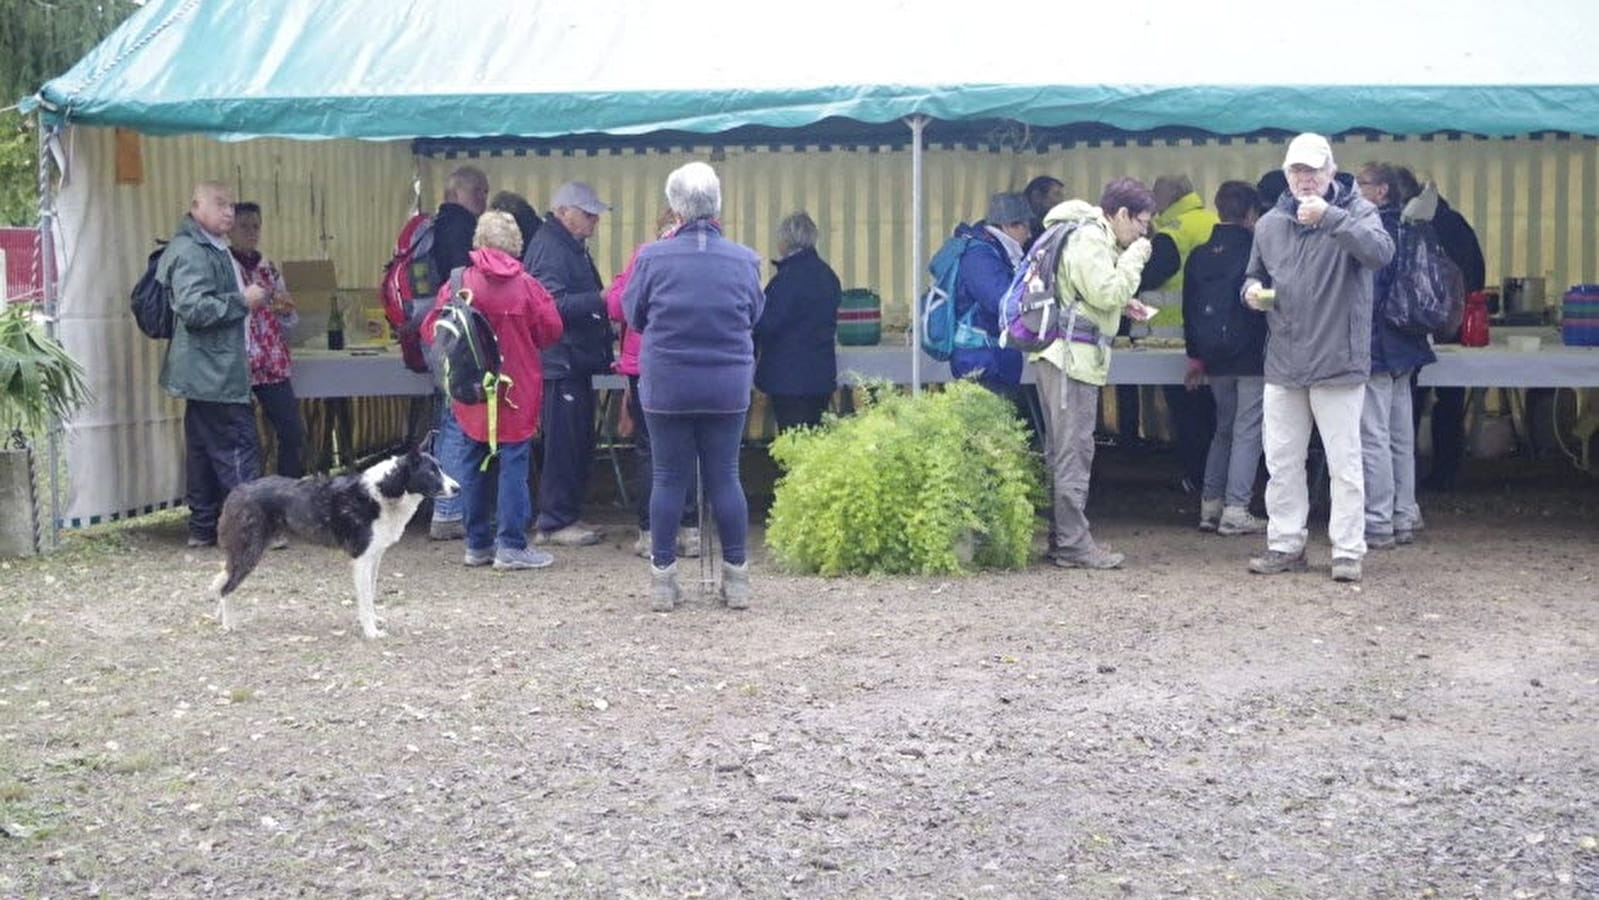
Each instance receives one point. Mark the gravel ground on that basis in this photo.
(1174, 728)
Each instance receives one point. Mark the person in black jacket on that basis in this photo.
(466, 195)
(1460, 243)
(527, 218)
(796, 364)
(558, 257)
(1226, 346)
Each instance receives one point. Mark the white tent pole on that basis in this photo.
(917, 123)
(45, 259)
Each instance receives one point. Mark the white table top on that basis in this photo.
(367, 373)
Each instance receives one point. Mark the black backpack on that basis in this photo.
(1217, 324)
(151, 300)
(466, 355)
(1428, 293)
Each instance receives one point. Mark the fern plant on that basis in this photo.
(39, 381)
(936, 483)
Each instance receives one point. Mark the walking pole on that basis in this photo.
(707, 543)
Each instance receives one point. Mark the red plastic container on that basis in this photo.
(1474, 324)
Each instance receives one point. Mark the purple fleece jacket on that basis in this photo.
(694, 299)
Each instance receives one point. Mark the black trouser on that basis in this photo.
(1193, 419)
(798, 409)
(221, 452)
(1448, 433)
(1127, 414)
(567, 419)
(282, 412)
(643, 469)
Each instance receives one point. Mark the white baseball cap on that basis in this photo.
(1308, 149)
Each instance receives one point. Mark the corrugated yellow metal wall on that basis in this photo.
(1534, 201)
(342, 200)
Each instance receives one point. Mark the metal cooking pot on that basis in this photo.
(1522, 297)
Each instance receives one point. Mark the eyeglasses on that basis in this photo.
(1366, 183)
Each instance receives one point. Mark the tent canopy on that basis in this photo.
(391, 69)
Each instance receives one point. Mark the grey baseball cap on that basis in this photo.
(580, 195)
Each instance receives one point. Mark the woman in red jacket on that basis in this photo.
(525, 321)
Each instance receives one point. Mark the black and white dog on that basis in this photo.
(363, 513)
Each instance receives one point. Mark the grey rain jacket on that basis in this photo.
(1319, 330)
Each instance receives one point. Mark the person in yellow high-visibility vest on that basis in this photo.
(1181, 224)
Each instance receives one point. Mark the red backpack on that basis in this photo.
(410, 287)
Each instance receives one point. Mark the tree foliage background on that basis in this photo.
(39, 39)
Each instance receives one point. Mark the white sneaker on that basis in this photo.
(1237, 520)
(641, 547)
(1209, 514)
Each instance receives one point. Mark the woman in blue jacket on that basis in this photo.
(694, 299)
(796, 363)
(987, 265)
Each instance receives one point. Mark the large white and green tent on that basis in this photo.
(379, 76)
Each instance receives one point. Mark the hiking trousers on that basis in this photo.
(1235, 450)
(1388, 448)
(1070, 408)
(1290, 413)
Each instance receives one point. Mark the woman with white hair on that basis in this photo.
(694, 298)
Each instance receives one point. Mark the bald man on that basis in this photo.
(207, 362)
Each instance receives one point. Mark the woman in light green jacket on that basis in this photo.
(1099, 271)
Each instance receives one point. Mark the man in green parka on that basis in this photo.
(207, 361)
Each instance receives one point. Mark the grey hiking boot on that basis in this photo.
(475, 558)
(641, 546)
(525, 558)
(1237, 520)
(1210, 512)
(1276, 562)
(446, 529)
(1345, 569)
(1381, 541)
(1097, 558)
(688, 542)
(664, 592)
(735, 589)
(1404, 536)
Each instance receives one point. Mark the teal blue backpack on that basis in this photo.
(942, 331)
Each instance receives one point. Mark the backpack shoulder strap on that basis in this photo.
(457, 280)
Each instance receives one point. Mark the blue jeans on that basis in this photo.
(711, 441)
(481, 490)
(450, 449)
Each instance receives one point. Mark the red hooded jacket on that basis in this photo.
(525, 321)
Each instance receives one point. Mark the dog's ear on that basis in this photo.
(426, 446)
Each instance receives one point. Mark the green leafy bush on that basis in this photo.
(928, 484)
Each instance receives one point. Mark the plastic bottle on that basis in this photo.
(1474, 323)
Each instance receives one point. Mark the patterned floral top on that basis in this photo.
(265, 329)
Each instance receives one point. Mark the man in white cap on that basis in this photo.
(558, 257)
(1311, 271)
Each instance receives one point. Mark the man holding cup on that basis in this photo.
(1311, 271)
